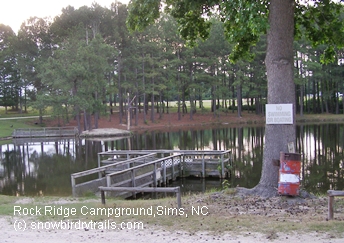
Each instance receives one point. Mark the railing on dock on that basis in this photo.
(118, 168)
(150, 173)
(100, 172)
(45, 132)
(200, 163)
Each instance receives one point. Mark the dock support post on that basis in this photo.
(108, 180)
(173, 178)
(222, 168)
(155, 183)
(99, 173)
(164, 176)
(179, 198)
(133, 184)
(183, 165)
(203, 167)
(73, 186)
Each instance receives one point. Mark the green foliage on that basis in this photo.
(226, 184)
(74, 76)
(227, 167)
(143, 13)
(244, 21)
(322, 23)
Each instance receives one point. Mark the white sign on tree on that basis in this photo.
(279, 114)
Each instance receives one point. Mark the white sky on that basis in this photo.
(15, 12)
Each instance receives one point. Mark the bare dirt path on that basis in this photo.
(266, 215)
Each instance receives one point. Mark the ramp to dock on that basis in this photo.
(89, 180)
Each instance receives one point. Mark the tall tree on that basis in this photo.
(75, 76)
(34, 45)
(9, 79)
(244, 22)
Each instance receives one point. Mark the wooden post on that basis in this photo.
(154, 176)
(133, 184)
(173, 178)
(330, 207)
(164, 176)
(102, 193)
(203, 167)
(222, 168)
(108, 180)
(183, 165)
(99, 173)
(179, 198)
(73, 185)
(331, 194)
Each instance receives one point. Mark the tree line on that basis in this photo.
(86, 63)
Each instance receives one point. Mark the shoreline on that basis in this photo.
(169, 123)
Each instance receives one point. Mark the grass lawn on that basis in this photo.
(7, 126)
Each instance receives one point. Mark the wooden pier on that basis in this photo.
(149, 168)
(45, 132)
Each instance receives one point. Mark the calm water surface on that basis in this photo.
(43, 167)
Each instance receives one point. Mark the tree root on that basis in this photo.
(259, 190)
(267, 192)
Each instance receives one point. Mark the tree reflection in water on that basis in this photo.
(44, 167)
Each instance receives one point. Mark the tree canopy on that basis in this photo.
(244, 22)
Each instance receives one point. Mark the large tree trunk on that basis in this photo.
(281, 90)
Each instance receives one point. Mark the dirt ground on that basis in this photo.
(246, 220)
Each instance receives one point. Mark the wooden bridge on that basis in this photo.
(149, 168)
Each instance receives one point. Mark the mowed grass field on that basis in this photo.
(13, 120)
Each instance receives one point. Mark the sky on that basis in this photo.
(15, 12)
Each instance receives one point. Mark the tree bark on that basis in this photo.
(281, 90)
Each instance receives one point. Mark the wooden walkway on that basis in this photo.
(149, 168)
(68, 132)
(45, 132)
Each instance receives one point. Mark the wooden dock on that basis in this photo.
(149, 168)
(45, 132)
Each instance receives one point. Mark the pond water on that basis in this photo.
(43, 167)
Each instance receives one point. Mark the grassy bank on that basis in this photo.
(7, 126)
(12, 120)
